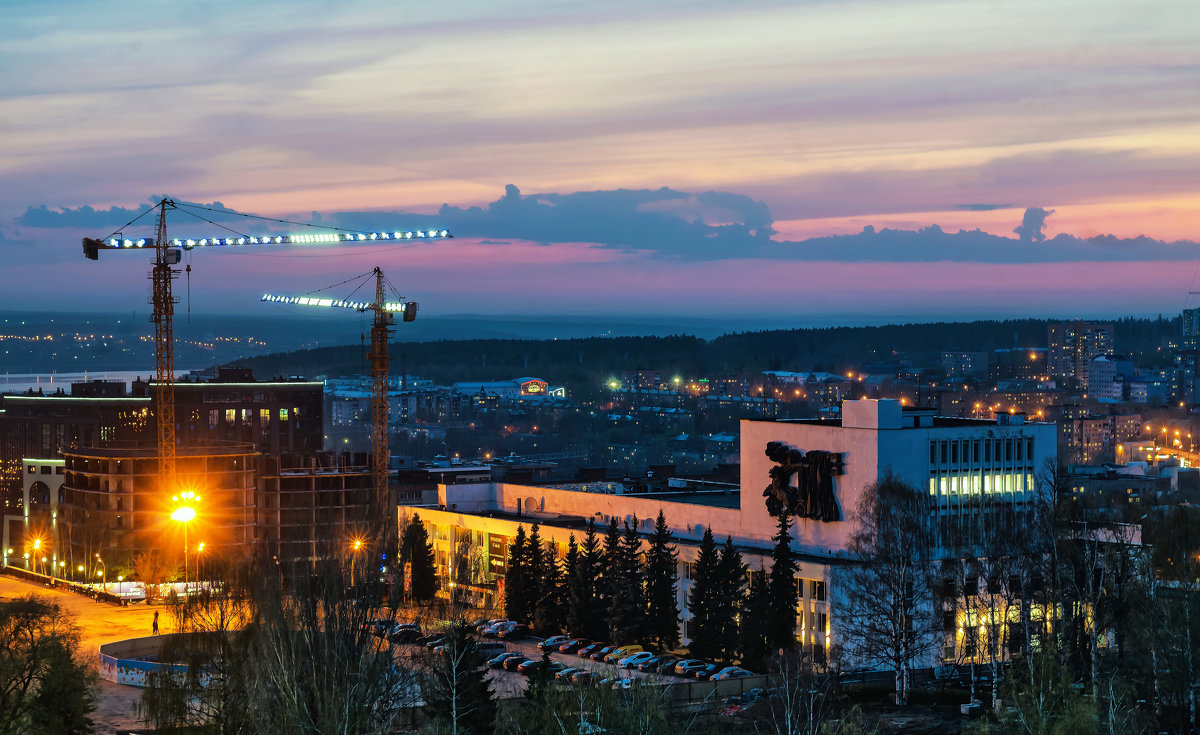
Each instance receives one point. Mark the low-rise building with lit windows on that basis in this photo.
(971, 468)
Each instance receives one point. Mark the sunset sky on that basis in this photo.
(773, 126)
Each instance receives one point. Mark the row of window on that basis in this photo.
(976, 484)
(981, 451)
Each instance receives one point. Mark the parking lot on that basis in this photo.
(512, 684)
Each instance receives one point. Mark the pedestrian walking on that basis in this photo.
(154, 625)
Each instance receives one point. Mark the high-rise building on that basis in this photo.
(1071, 345)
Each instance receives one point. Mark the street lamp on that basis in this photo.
(355, 546)
(103, 571)
(185, 513)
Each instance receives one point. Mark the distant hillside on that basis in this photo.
(593, 361)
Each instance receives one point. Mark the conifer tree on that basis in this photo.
(417, 552)
(627, 616)
(662, 576)
(516, 589)
(456, 688)
(550, 613)
(729, 599)
(606, 583)
(536, 567)
(782, 594)
(585, 612)
(702, 628)
(753, 633)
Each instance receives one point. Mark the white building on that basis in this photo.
(958, 461)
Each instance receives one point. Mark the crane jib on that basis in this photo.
(93, 246)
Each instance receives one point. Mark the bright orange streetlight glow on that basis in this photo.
(183, 514)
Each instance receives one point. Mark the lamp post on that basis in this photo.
(185, 513)
(356, 547)
(103, 571)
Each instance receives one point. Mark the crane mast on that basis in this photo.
(380, 329)
(163, 302)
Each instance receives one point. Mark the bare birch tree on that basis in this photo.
(889, 620)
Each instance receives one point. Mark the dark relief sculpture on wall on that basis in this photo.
(813, 495)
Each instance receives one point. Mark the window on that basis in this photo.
(954, 452)
(816, 589)
(46, 469)
(230, 415)
(283, 414)
(987, 451)
(932, 452)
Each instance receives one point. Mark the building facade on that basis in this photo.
(970, 468)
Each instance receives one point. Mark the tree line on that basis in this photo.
(616, 586)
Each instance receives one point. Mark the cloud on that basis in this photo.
(91, 218)
(671, 227)
(981, 207)
(1033, 224)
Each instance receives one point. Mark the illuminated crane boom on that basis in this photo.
(384, 318)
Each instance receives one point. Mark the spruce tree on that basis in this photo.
(455, 686)
(417, 552)
(753, 632)
(662, 576)
(702, 628)
(550, 613)
(607, 582)
(536, 567)
(730, 598)
(585, 613)
(627, 616)
(516, 589)
(782, 594)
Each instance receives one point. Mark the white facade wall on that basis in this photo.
(874, 438)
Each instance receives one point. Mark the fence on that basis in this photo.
(62, 584)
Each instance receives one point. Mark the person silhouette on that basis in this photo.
(154, 625)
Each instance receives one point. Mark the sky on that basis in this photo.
(887, 158)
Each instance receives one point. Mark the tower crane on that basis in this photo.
(383, 318)
(168, 253)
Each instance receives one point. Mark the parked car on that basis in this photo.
(484, 625)
(497, 662)
(622, 684)
(663, 664)
(573, 645)
(404, 635)
(688, 665)
(489, 648)
(436, 640)
(534, 665)
(705, 673)
(566, 673)
(492, 629)
(619, 653)
(633, 660)
(583, 676)
(427, 638)
(512, 663)
(553, 642)
(514, 632)
(599, 655)
(731, 672)
(588, 650)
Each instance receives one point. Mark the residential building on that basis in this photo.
(1071, 345)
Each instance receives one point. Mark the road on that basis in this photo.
(99, 623)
